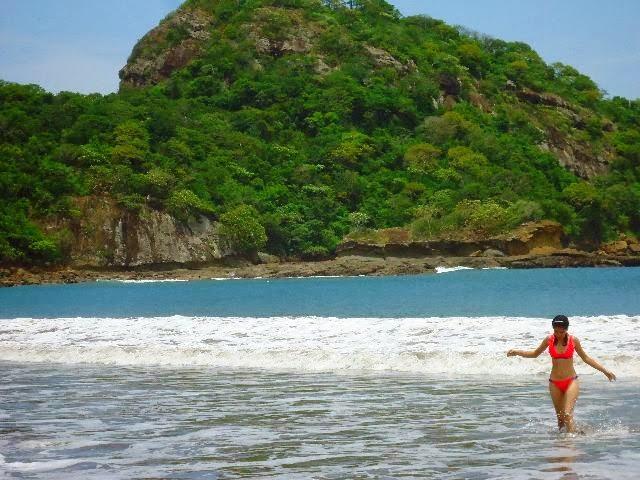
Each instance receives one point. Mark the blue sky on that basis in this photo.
(79, 45)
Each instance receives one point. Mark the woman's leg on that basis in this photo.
(570, 398)
(557, 397)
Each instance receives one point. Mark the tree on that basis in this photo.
(466, 160)
(242, 228)
(352, 149)
(587, 201)
(422, 158)
(132, 144)
(472, 57)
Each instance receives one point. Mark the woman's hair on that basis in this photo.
(560, 321)
(564, 342)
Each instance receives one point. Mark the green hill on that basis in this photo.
(296, 122)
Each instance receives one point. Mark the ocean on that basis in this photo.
(327, 378)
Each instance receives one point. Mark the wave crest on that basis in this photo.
(456, 345)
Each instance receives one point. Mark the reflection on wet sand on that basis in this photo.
(563, 458)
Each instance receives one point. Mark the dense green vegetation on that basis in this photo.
(292, 157)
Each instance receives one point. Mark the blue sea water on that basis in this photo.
(525, 293)
(317, 378)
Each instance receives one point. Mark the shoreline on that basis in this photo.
(341, 266)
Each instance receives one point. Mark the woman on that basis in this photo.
(563, 381)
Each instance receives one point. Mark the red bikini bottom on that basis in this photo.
(563, 384)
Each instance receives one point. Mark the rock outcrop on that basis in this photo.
(579, 157)
(342, 266)
(383, 59)
(170, 46)
(624, 246)
(293, 34)
(107, 236)
(522, 241)
(543, 98)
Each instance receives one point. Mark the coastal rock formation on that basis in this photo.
(625, 246)
(522, 241)
(342, 266)
(107, 236)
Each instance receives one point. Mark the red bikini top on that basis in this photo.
(568, 351)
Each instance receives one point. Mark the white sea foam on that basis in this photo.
(300, 277)
(451, 269)
(430, 345)
(35, 467)
(152, 280)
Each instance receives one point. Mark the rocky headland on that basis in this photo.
(533, 245)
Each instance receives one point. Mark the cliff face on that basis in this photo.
(104, 235)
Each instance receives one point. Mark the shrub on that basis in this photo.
(524, 211)
(426, 224)
(359, 221)
(315, 252)
(132, 202)
(45, 250)
(184, 204)
(157, 182)
(485, 217)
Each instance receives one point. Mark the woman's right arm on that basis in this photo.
(529, 354)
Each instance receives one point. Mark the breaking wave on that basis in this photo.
(454, 345)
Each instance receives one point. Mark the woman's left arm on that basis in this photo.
(591, 362)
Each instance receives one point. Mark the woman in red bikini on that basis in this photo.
(563, 381)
